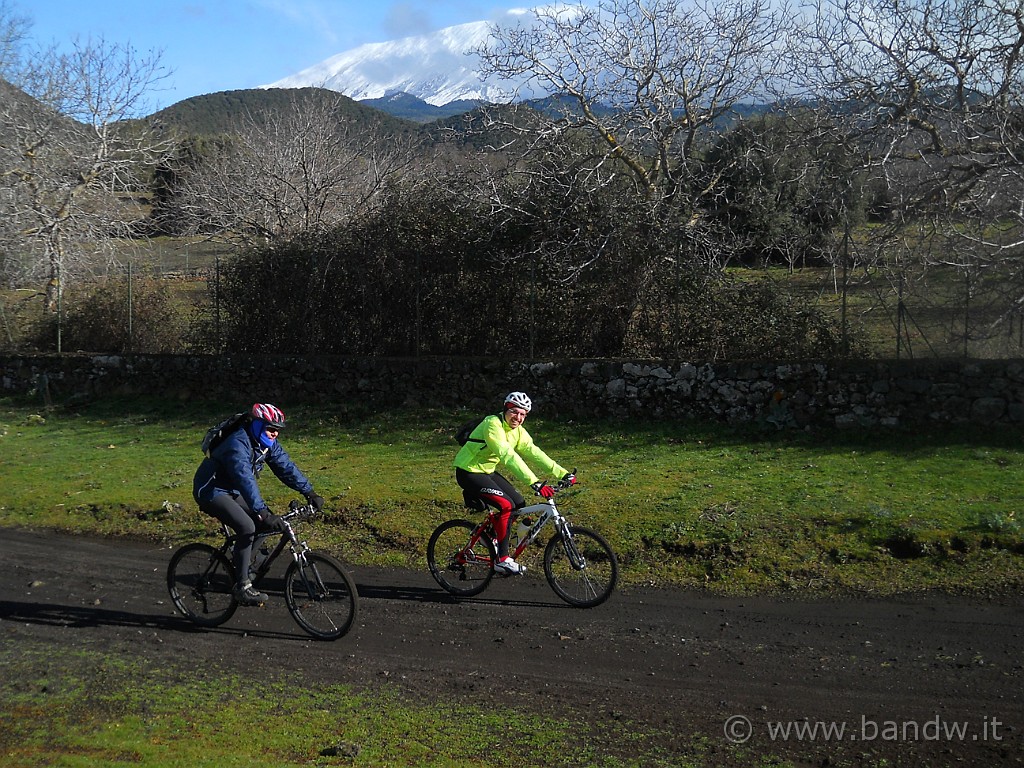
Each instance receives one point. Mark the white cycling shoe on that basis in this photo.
(509, 567)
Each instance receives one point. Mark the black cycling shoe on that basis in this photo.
(246, 595)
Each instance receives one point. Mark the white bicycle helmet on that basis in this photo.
(518, 400)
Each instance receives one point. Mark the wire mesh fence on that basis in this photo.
(167, 300)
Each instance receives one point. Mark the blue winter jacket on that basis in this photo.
(234, 466)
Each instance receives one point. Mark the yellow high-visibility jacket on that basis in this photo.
(494, 442)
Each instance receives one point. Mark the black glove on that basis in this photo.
(543, 489)
(569, 479)
(272, 522)
(316, 501)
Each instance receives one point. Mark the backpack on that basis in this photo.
(215, 435)
(466, 429)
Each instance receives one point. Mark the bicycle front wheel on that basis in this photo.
(581, 568)
(199, 579)
(321, 596)
(459, 568)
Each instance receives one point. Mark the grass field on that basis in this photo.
(97, 710)
(728, 509)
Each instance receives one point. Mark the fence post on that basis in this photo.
(899, 315)
(216, 301)
(131, 339)
(60, 304)
(844, 330)
(533, 296)
(967, 308)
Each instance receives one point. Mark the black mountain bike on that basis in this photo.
(319, 593)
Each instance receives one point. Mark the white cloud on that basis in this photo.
(405, 20)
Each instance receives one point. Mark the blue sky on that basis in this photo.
(222, 45)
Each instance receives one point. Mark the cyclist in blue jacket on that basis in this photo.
(225, 487)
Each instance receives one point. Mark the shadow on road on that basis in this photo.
(438, 596)
(79, 616)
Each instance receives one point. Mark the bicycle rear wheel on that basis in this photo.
(200, 579)
(459, 568)
(321, 596)
(582, 569)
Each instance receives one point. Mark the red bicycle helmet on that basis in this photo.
(271, 416)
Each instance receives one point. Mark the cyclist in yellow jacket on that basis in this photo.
(502, 440)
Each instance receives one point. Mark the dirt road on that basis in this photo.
(920, 680)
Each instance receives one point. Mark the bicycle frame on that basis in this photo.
(547, 512)
(286, 538)
(299, 548)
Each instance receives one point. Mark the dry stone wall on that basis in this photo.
(787, 395)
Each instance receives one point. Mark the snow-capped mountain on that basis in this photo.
(438, 68)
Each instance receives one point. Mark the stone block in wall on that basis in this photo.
(998, 384)
(914, 386)
(945, 389)
(986, 410)
(682, 389)
(707, 373)
(541, 370)
(954, 407)
(846, 420)
(686, 372)
(972, 370)
(787, 372)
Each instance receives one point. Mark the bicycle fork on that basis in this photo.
(576, 558)
(312, 582)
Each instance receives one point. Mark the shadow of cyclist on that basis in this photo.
(82, 617)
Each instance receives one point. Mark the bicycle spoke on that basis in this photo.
(582, 570)
(459, 568)
(199, 580)
(321, 596)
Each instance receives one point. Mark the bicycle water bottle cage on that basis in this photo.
(474, 502)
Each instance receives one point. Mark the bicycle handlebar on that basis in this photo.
(299, 512)
(562, 484)
(565, 482)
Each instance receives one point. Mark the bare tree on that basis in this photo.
(73, 160)
(930, 83)
(14, 30)
(302, 170)
(638, 91)
(931, 91)
(648, 78)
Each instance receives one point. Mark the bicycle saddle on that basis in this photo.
(474, 502)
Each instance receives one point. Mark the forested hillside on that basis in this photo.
(225, 111)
